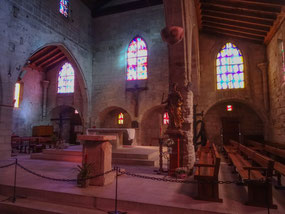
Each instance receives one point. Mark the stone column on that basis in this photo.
(45, 84)
(263, 68)
(177, 13)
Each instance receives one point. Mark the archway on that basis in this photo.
(110, 116)
(66, 122)
(230, 118)
(152, 126)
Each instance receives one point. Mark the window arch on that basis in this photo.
(137, 59)
(230, 68)
(66, 79)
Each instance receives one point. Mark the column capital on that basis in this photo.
(45, 83)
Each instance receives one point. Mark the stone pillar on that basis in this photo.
(177, 13)
(263, 68)
(45, 84)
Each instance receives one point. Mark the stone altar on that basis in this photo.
(97, 149)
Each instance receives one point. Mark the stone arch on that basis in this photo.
(109, 116)
(250, 122)
(78, 70)
(151, 126)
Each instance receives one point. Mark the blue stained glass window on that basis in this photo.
(64, 7)
(66, 79)
(137, 60)
(230, 68)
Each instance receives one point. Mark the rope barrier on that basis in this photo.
(63, 179)
(11, 164)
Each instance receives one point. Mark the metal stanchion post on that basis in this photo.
(15, 182)
(116, 196)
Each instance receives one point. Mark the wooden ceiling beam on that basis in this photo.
(235, 30)
(233, 35)
(238, 12)
(235, 23)
(242, 6)
(273, 3)
(41, 53)
(50, 60)
(55, 63)
(280, 19)
(239, 18)
(46, 56)
(125, 7)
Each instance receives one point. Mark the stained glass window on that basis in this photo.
(66, 79)
(17, 95)
(64, 7)
(230, 68)
(121, 118)
(137, 60)
(165, 118)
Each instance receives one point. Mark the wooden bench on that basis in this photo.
(207, 171)
(253, 168)
(274, 153)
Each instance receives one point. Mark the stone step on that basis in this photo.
(62, 152)
(28, 206)
(57, 157)
(135, 156)
(137, 162)
(51, 199)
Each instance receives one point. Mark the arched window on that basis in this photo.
(121, 119)
(66, 79)
(165, 118)
(137, 60)
(64, 7)
(17, 95)
(230, 68)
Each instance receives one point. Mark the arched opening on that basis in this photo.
(66, 122)
(39, 89)
(225, 120)
(152, 126)
(115, 117)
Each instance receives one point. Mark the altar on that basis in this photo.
(125, 136)
(98, 151)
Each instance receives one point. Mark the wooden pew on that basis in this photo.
(207, 171)
(272, 152)
(252, 168)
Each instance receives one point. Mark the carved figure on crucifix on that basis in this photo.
(174, 103)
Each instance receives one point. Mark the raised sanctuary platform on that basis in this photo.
(126, 155)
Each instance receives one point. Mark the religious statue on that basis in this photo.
(174, 107)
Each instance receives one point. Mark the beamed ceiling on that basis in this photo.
(108, 7)
(47, 58)
(254, 20)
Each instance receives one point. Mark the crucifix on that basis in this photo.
(60, 123)
(136, 90)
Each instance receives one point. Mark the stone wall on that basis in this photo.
(276, 87)
(113, 35)
(27, 26)
(252, 95)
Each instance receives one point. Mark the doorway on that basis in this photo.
(230, 128)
